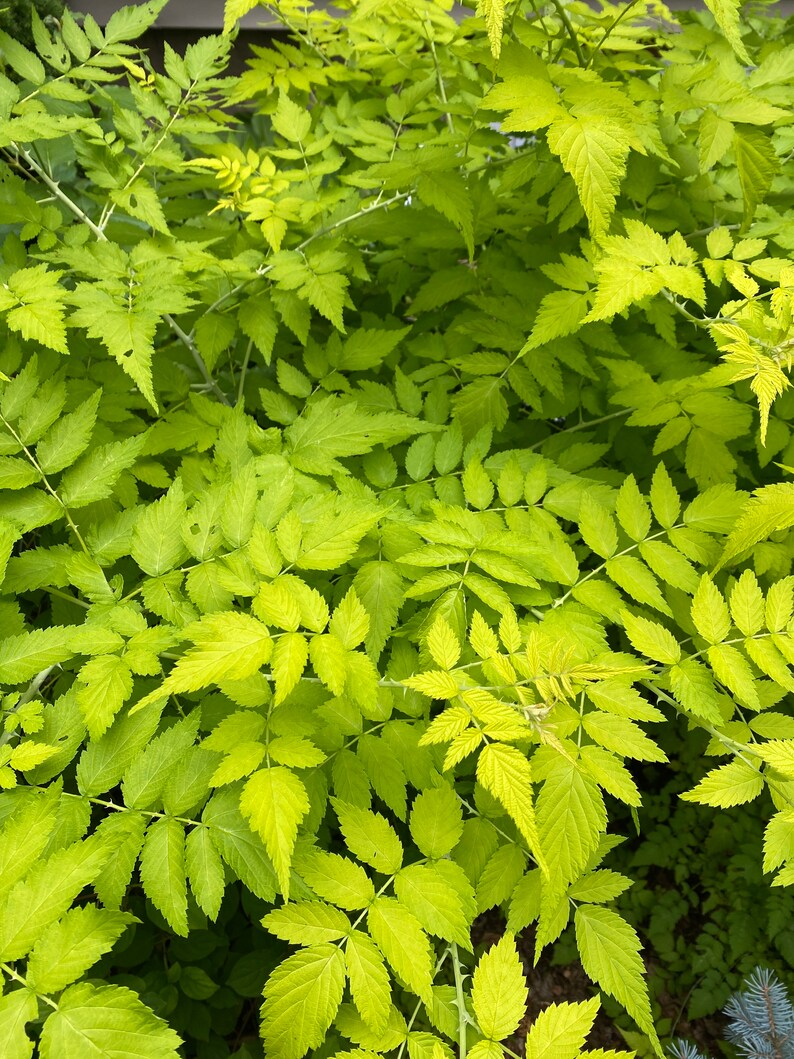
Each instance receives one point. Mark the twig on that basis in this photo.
(99, 234)
(460, 1001)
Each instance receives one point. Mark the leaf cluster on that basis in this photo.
(380, 483)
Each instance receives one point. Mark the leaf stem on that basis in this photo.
(560, 8)
(45, 482)
(609, 30)
(23, 981)
(100, 236)
(460, 1001)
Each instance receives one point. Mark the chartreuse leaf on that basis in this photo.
(779, 840)
(228, 646)
(499, 990)
(570, 819)
(274, 801)
(436, 821)
(163, 871)
(369, 981)
(505, 772)
(337, 879)
(73, 945)
(46, 892)
(710, 612)
(493, 11)
(441, 908)
(731, 784)
(651, 639)
(726, 14)
(204, 871)
(559, 1031)
(370, 837)
(307, 923)
(769, 510)
(610, 953)
(593, 149)
(16, 1009)
(301, 999)
(399, 936)
(106, 1021)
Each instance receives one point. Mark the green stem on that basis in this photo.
(609, 30)
(23, 981)
(100, 236)
(45, 482)
(460, 1001)
(560, 8)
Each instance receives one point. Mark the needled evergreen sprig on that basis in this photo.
(762, 1018)
(760, 1021)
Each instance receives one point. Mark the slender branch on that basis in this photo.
(110, 207)
(99, 234)
(460, 1001)
(263, 270)
(442, 90)
(23, 981)
(45, 482)
(243, 371)
(560, 9)
(609, 30)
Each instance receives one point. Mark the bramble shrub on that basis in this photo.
(391, 445)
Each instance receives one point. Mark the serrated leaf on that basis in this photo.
(307, 923)
(499, 990)
(73, 945)
(710, 612)
(571, 818)
(505, 772)
(400, 938)
(443, 644)
(301, 999)
(107, 1021)
(436, 821)
(593, 150)
(275, 801)
(726, 15)
(337, 879)
(560, 1030)
(651, 639)
(610, 953)
(16, 1009)
(204, 871)
(731, 784)
(436, 903)
(163, 871)
(370, 837)
(369, 981)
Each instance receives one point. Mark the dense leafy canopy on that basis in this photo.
(393, 440)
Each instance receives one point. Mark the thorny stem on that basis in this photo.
(23, 981)
(460, 1001)
(99, 234)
